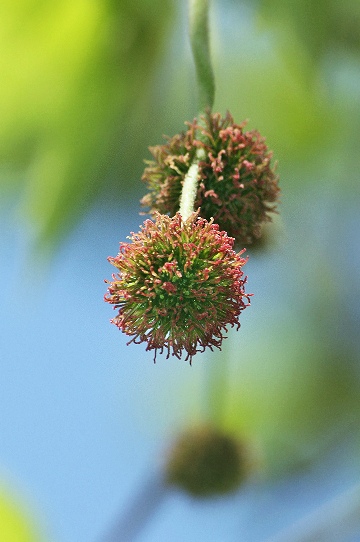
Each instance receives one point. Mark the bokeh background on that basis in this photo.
(85, 421)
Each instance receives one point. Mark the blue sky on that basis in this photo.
(85, 419)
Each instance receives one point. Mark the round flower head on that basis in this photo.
(206, 462)
(179, 285)
(237, 185)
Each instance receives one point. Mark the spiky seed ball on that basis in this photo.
(238, 186)
(180, 283)
(206, 462)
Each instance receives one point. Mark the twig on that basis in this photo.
(134, 519)
(334, 521)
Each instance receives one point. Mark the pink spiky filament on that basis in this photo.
(179, 285)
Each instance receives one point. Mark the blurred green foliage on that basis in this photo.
(321, 27)
(73, 73)
(294, 73)
(87, 86)
(15, 525)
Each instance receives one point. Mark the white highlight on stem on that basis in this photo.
(189, 189)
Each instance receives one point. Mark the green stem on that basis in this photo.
(216, 385)
(199, 40)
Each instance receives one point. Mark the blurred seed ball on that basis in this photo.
(206, 462)
(237, 187)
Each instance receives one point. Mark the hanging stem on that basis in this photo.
(140, 511)
(216, 384)
(199, 40)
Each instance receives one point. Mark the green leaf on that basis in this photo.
(322, 27)
(15, 523)
(75, 74)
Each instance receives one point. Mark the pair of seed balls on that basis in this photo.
(180, 282)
